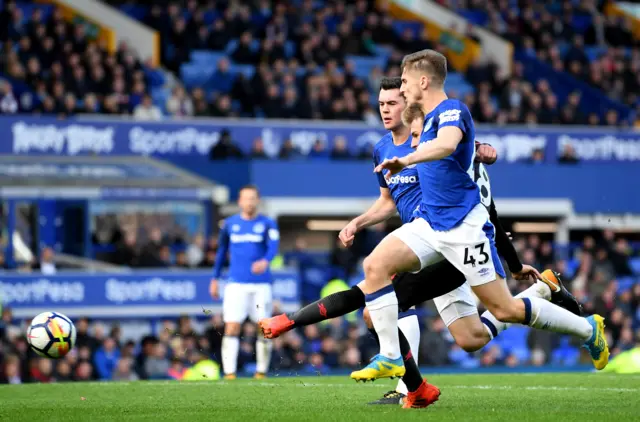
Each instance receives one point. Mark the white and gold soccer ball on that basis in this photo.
(51, 335)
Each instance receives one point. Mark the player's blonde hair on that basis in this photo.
(411, 113)
(427, 61)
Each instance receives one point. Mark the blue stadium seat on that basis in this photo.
(195, 74)
(289, 49)
(572, 267)
(246, 69)
(206, 57)
(134, 11)
(635, 265)
(458, 84)
(364, 65)
(565, 353)
(210, 16)
(514, 342)
(415, 27)
(155, 77)
(625, 283)
(231, 46)
(463, 359)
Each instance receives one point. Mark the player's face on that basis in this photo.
(248, 201)
(416, 131)
(391, 105)
(412, 86)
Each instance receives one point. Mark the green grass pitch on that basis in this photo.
(504, 397)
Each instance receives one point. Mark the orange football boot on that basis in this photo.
(425, 395)
(275, 326)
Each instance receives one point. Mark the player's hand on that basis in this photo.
(259, 266)
(527, 273)
(486, 154)
(214, 289)
(348, 234)
(394, 165)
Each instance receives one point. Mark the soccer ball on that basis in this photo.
(51, 335)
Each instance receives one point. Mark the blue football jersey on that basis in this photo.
(448, 189)
(404, 186)
(247, 241)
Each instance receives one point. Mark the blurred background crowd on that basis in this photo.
(322, 60)
(307, 59)
(600, 271)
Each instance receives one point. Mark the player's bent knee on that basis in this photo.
(232, 329)
(367, 318)
(374, 267)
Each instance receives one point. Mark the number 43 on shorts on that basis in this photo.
(471, 255)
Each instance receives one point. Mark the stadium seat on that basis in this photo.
(364, 65)
(635, 265)
(206, 57)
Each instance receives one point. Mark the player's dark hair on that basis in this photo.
(427, 61)
(250, 187)
(387, 83)
(412, 112)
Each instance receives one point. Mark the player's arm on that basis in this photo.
(223, 247)
(381, 210)
(443, 146)
(272, 240)
(503, 243)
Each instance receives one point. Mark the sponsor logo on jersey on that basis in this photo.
(245, 238)
(449, 116)
(402, 179)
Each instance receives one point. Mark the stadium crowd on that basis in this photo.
(598, 272)
(299, 60)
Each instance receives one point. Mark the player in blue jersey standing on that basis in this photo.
(251, 240)
(451, 224)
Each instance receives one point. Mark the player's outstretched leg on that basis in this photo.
(539, 313)
(549, 288)
(332, 306)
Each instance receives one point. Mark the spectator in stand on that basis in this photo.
(340, 151)
(8, 103)
(106, 358)
(225, 148)
(46, 265)
(179, 105)
(146, 110)
(222, 78)
(568, 155)
(537, 157)
(288, 151)
(257, 149)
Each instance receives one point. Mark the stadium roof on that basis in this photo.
(101, 177)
